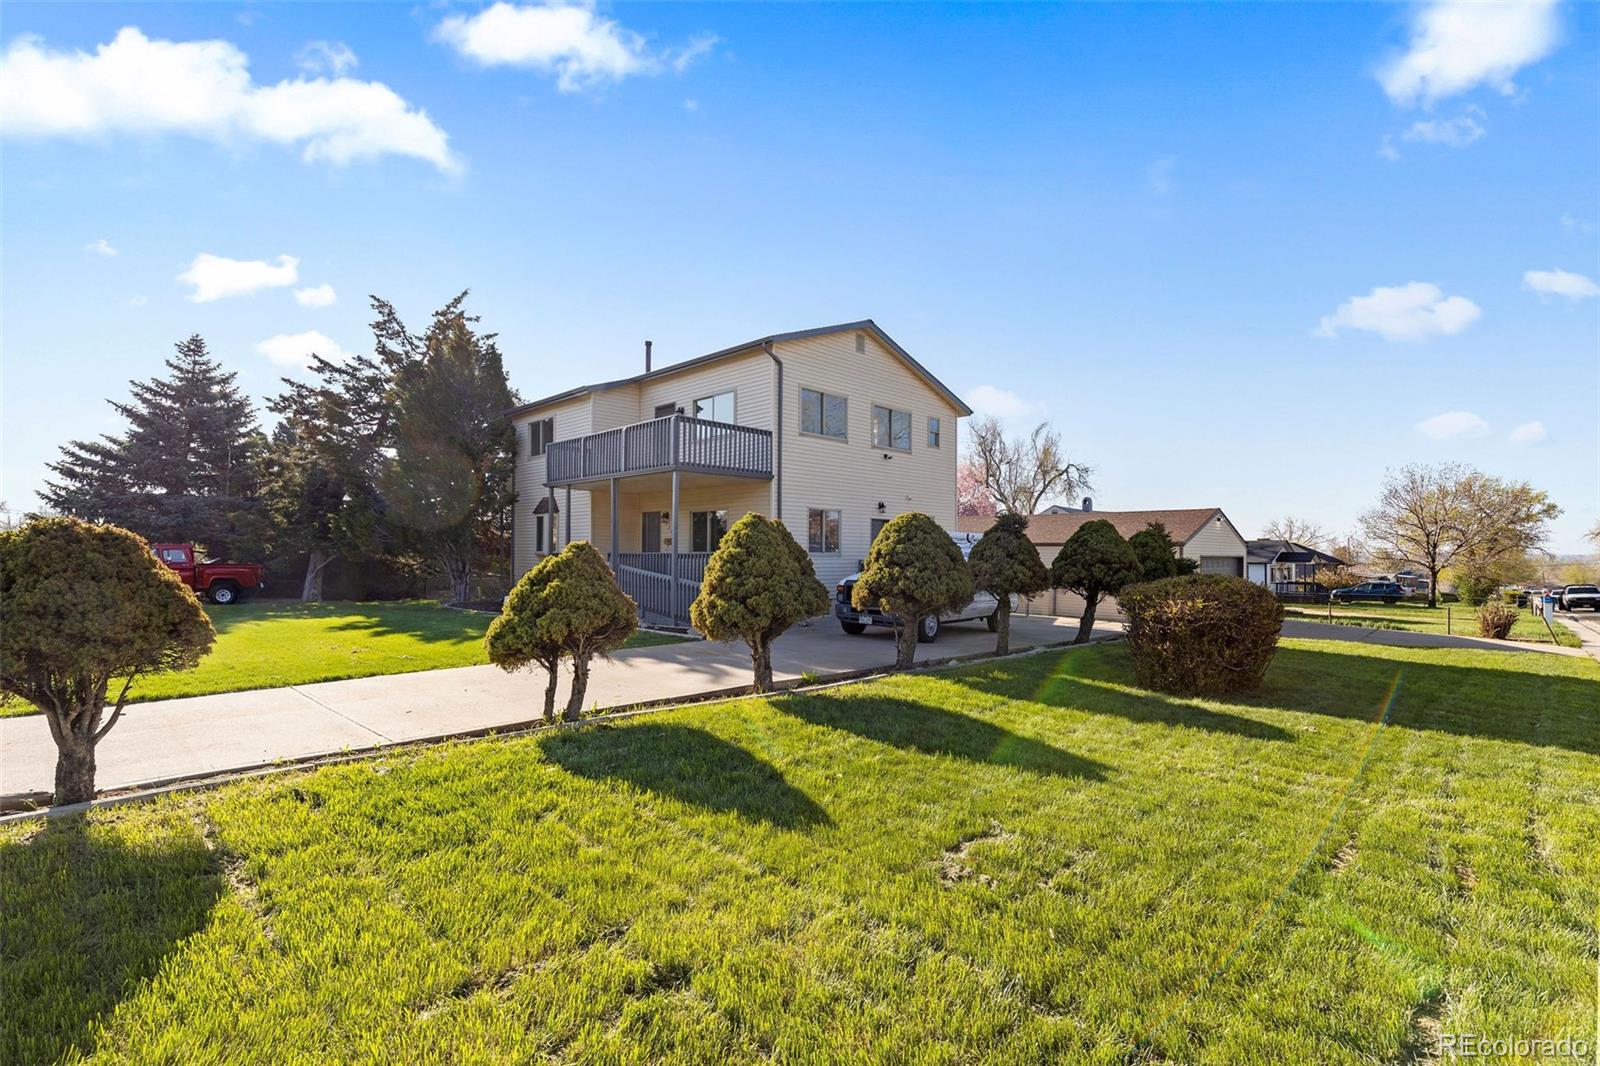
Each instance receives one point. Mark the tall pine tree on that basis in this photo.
(185, 469)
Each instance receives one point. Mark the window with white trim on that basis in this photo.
(822, 530)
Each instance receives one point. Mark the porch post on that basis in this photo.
(613, 525)
(566, 537)
(672, 524)
(550, 524)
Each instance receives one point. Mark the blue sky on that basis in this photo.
(1242, 255)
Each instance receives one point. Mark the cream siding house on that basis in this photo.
(834, 430)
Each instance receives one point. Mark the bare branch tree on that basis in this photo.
(1020, 472)
(1437, 516)
(1296, 530)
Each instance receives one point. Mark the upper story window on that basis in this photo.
(822, 413)
(718, 408)
(540, 434)
(891, 428)
(934, 429)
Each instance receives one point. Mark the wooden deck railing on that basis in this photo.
(647, 577)
(676, 442)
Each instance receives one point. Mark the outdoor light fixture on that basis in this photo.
(881, 507)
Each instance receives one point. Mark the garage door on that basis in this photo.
(1231, 565)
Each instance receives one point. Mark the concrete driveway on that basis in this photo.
(237, 730)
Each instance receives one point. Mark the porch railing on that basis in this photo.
(676, 442)
(648, 578)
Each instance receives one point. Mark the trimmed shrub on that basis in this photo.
(1201, 633)
(913, 570)
(1095, 562)
(1005, 563)
(758, 583)
(1157, 553)
(569, 606)
(1496, 619)
(81, 604)
(1510, 596)
(1476, 588)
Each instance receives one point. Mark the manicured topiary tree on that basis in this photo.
(914, 571)
(1005, 563)
(567, 607)
(1095, 562)
(1201, 633)
(1158, 554)
(758, 583)
(81, 605)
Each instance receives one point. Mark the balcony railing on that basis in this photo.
(676, 442)
(648, 578)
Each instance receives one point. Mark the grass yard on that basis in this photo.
(267, 643)
(1420, 618)
(1024, 861)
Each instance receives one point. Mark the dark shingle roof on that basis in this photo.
(1181, 523)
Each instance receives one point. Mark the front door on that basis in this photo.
(651, 524)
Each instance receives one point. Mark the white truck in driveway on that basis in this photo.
(854, 622)
(1575, 597)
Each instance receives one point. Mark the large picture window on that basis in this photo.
(822, 530)
(822, 413)
(718, 408)
(891, 428)
(709, 526)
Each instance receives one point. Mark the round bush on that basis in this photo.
(1496, 619)
(1476, 589)
(1201, 633)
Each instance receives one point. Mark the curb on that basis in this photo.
(154, 788)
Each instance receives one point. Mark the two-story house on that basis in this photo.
(834, 430)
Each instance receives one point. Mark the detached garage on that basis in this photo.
(1201, 533)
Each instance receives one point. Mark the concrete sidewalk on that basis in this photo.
(211, 734)
(1403, 638)
(1587, 627)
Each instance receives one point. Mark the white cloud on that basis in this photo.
(1573, 224)
(1528, 433)
(1453, 424)
(1410, 312)
(326, 57)
(1002, 403)
(1457, 132)
(572, 42)
(1456, 46)
(215, 276)
(691, 105)
(316, 296)
(1560, 283)
(1387, 150)
(100, 246)
(296, 349)
(139, 85)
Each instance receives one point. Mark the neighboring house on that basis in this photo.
(834, 430)
(1203, 534)
(1061, 508)
(1286, 566)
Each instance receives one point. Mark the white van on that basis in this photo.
(854, 622)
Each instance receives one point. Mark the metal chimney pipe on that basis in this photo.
(647, 357)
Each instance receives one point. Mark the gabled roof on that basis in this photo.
(865, 324)
(1288, 551)
(1182, 524)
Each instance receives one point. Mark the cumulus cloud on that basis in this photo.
(315, 296)
(1458, 46)
(1528, 433)
(215, 276)
(326, 57)
(145, 86)
(1457, 132)
(1560, 283)
(1453, 424)
(100, 246)
(570, 41)
(1002, 403)
(296, 349)
(1411, 312)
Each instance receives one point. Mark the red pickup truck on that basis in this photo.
(221, 583)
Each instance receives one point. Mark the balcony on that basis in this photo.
(661, 445)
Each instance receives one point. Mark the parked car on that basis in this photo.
(1574, 597)
(1380, 591)
(855, 622)
(221, 583)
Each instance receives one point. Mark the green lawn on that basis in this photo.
(1420, 618)
(269, 643)
(1024, 861)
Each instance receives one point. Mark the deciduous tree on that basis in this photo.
(1006, 563)
(1095, 562)
(1020, 472)
(1297, 531)
(914, 571)
(758, 583)
(81, 605)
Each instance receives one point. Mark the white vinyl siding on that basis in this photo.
(1217, 547)
(572, 419)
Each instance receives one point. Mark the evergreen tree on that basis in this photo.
(1095, 562)
(185, 469)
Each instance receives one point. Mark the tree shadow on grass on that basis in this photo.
(933, 730)
(687, 764)
(84, 920)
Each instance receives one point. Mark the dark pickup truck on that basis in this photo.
(221, 583)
